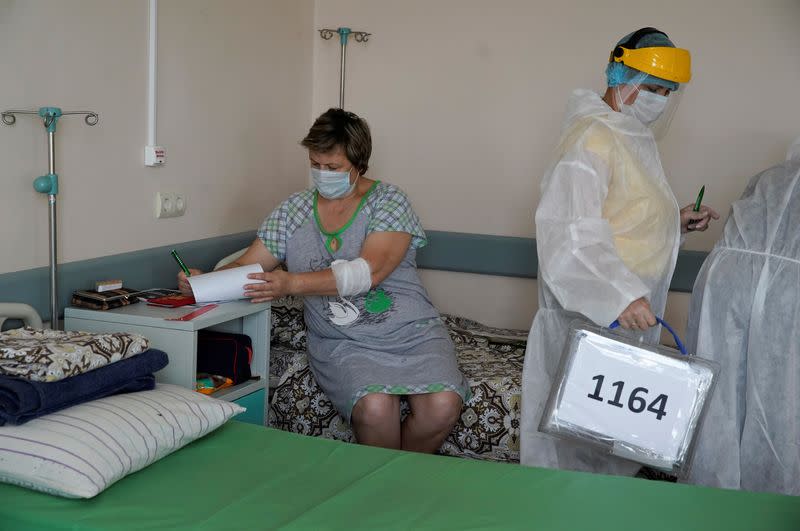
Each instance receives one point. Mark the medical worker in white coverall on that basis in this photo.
(608, 228)
(745, 314)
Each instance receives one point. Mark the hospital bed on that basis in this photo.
(249, 477)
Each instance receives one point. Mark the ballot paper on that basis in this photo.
(224, 285)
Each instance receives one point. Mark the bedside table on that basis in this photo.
(179, 340)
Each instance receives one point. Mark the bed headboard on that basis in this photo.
(18, 311)
(512, 256)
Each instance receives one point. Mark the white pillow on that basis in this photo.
(79, 451)
(230, 258)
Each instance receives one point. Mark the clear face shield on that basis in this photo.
(648, 100)
(650, 81)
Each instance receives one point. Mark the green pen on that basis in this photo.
(180, 262)
(699, 199)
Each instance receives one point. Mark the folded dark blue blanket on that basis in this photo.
(23, 400)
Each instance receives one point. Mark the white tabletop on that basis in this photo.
(142, 314)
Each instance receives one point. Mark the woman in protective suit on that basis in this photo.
(608, 228)
(744, 314)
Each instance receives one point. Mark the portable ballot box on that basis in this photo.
(640, 402)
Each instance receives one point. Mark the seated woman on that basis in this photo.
(744, 314)
(349, 246)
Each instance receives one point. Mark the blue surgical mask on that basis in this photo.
(332, 184)
(647, 108)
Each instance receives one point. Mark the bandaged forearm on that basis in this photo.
(352, 276)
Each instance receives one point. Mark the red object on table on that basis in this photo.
(172, 301)
(191, 315)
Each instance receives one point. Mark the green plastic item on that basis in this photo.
(46, 184)
(254, 402)
(51, 116)
(344, 33)
(699, 200)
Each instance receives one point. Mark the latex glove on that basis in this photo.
(183, 284)
(637, 316)
(696, 221)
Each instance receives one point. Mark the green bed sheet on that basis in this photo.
(248, 477)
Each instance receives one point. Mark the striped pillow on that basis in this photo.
(79, 451)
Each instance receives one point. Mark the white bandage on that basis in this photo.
(352, 277)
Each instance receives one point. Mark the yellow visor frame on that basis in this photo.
(672, 64)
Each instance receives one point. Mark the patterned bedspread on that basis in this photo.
(490, 358)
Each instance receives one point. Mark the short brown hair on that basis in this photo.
(339, 128)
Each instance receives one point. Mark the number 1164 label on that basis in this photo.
(636, 401)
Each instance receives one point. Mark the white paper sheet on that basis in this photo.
(225, 285)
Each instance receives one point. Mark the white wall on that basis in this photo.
(234, 96)
(465, 99)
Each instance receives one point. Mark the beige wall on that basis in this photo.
(234, 98)
(465, 98)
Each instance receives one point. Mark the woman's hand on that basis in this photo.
(637, 316)
(696, 221)
(277, 284)
(183, 284)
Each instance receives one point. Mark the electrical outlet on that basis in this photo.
(170, 204)
(164, 205)
(180, 204)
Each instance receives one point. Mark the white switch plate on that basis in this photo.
(170, 204)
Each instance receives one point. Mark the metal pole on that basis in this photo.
(152, 72)
(48, 184)
(341, 73)
(51, 157)
(344, 35)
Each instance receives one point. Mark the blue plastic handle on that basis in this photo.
(663, 323)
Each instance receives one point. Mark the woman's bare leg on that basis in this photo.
(376, 420)
(432, 417)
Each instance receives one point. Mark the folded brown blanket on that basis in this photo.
(52, 355)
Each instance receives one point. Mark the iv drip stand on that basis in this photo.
(344, 33)
(48, 184)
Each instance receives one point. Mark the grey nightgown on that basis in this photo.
(389, 340)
